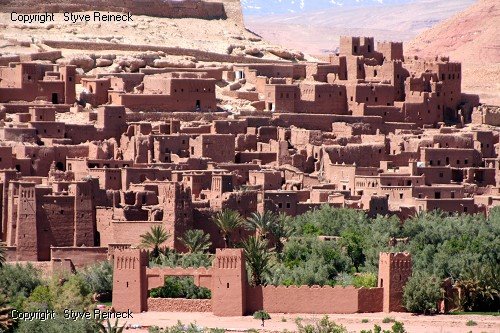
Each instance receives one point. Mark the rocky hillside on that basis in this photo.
(470, 37)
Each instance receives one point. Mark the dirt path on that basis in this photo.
(281, 322)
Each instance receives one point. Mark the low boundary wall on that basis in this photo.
(179, 305)
(315, 299)
(80, 256)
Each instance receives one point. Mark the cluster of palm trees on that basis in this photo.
(195, 241)
(270, 231)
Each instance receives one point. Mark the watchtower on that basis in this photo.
(177, 211)
(84, 218)
(68, 75)
(26, 228)
(130, 289)
(229, 283)
(394, 270)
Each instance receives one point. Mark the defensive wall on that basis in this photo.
(232, 296)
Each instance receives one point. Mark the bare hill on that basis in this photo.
(470, 37)
(319, 31)
(196, 26)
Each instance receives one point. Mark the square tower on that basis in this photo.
(130, 289)
(229, 283)
(394, 270)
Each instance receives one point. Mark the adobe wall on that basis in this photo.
(80, 256)
(315, 299)
(179, 305)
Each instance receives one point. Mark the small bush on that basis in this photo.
(366, 280)
(283, 320)
(471, 323)
(324, 325)
(364, 320)
(261, 314)
(387, 320)
(398, 327)
(180, 287)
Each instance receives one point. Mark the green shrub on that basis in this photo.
(471, 323)
(421, 293)
(322, 326)
(172, 258)
(261, 314)
(74, 294)
(366, 280)
(57, 325)
(180, 287)
(40, 298)
(99, 277)
(19, 281)
(387, 320)
(364, 320)
(398, 327)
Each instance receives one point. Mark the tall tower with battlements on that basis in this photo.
(130, 290)
(229, 283)
(394, 270)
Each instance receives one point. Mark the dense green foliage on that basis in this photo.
(154, 239)
(17, 282)
(23, 288)
(422, 292)
(257, 256)
(228, 221)
(309, 261)
(99, 277)
(58, 325)
(172, 258)
(180, 287)
(465, 248)
(196, 241)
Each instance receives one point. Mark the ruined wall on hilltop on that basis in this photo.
(210, 10)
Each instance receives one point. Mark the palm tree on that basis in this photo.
(2, 254)
(262, 223)
(154, 239)
(258, 258)
(196, 241)
(281, 230)
(228, 221)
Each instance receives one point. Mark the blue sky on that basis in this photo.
(264, 7)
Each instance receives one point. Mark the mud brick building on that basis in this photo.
(89, 162)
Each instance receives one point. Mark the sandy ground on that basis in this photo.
(281, 322)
